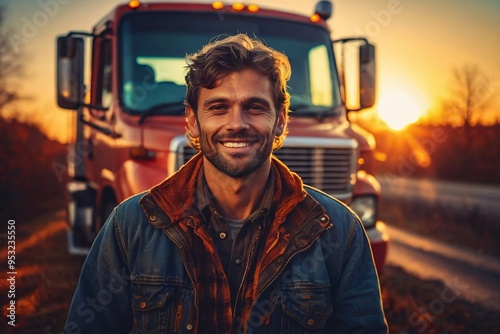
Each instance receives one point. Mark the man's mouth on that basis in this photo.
(236, 144)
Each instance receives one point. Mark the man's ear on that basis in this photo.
(281, 122)
(192, 124)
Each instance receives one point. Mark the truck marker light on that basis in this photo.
(353, 179)
(253, 8)
(315, 18)
(218, 5)
(133, 4)
(141, 153)
(238, 6)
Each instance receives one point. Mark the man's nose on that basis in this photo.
(237, 120)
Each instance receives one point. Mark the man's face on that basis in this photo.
(236, 123)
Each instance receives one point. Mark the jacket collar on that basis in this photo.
(176, 195)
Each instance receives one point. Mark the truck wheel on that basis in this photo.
(81, 233)
(106, 210)
(81, 208)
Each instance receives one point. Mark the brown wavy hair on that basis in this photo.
(232, 54)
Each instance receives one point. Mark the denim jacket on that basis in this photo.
(137, 277)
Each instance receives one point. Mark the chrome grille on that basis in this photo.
(327, 164)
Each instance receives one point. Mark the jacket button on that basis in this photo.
(152, 218)
(238, 261)
(323, 219)
(310, 322)
(223, 235)
(143, 305)
(189, 327)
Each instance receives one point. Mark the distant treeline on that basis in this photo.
(470, 154)
(28, 183)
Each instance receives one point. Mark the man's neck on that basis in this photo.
(237, 198)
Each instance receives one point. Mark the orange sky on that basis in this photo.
(418, 44)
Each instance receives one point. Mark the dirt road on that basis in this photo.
(46, 276)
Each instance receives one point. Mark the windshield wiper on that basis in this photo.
(166, 108)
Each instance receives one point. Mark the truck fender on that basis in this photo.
(136, 176)
(366, 184)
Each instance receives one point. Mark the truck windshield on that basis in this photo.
(153, 46)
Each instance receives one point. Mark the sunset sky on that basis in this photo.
(419, 42)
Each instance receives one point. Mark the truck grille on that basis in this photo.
(327, 164)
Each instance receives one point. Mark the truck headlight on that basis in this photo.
(366, 208)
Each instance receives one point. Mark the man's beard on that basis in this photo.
(233, 166)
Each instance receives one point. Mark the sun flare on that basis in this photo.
(398, 109)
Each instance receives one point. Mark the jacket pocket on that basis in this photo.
(157, 308)
(305, 309)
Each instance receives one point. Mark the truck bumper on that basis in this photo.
(379, 241)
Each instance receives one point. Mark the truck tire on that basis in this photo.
(106, 209)
(81, 234)
(84, 217)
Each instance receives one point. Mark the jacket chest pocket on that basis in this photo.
(300, 310)
(158, 308)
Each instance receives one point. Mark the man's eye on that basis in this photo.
(256, 108)
(218, 107)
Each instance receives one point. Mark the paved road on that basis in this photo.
(463, 198)
(474, 277)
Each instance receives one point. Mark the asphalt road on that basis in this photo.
(474, 277)
(462, 198)
(469, 275)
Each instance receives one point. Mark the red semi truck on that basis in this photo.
(130, 124)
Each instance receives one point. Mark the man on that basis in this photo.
(233, 242)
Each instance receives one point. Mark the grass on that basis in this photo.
(416, 306)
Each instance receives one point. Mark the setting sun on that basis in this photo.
(398, 109)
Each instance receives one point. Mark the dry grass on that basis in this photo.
(46, 275)
(415, 306)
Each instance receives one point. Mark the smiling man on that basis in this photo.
(233, 242)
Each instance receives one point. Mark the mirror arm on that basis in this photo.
(104, 130)
(80, 33)
(350, 39)
(93, 106)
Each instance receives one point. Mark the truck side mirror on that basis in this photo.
(366, 75)
(69, 72)
(356, 58)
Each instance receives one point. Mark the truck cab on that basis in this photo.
(130, 128)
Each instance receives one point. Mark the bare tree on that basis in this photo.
(470, 94)
(10, 66)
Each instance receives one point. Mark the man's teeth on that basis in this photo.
(239, 144)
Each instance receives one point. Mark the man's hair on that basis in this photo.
(233, 54)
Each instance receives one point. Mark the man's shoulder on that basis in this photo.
(131, 206)
(132, 201)
(324, 198)
(332, 205)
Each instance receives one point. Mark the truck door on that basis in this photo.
(101, 114)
